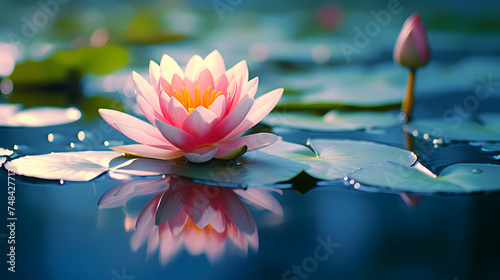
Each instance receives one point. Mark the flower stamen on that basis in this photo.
(206, 99)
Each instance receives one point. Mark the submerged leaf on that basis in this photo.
(335, 159)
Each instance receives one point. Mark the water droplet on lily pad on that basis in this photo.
(477, 171)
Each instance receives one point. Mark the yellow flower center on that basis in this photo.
(190, 225)
(206, 99)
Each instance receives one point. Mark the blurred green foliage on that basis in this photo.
(58, 68)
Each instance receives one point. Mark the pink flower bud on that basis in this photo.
(411, 49)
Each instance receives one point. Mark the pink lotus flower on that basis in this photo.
(195, 113)
(199, 217)
(412, 49)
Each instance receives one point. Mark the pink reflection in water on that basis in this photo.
(202, 219)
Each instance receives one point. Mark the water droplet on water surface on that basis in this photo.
(6, 86)
(50, 137)
(81, 135)
(402, 118)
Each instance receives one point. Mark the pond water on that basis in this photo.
(302, 226)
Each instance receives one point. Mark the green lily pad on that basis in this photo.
(492, 146)
(486, 127)
(253, 168)
(340, 98)
(62, 64)
(457, 178)
(333, 120)
(127, 25)
(93, 60)
(145, 29)
(381, 85)
(349, 86)
(336, 159)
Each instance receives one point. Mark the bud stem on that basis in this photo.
(409, 99)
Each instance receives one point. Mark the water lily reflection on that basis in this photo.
(201, 218)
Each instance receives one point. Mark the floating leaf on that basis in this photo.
(339, 87)
(492, 146)
(3, 154)
(382, 84)
(333, 120)
(41, 73)
(6, 152)
(457, 178)
(127, 25)
(486, 127)
(101, 60)
(64, 63)
(72, 166)
(253, 168)
(12, 115)
(336, 159)
(339, 97)
(85, 166)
